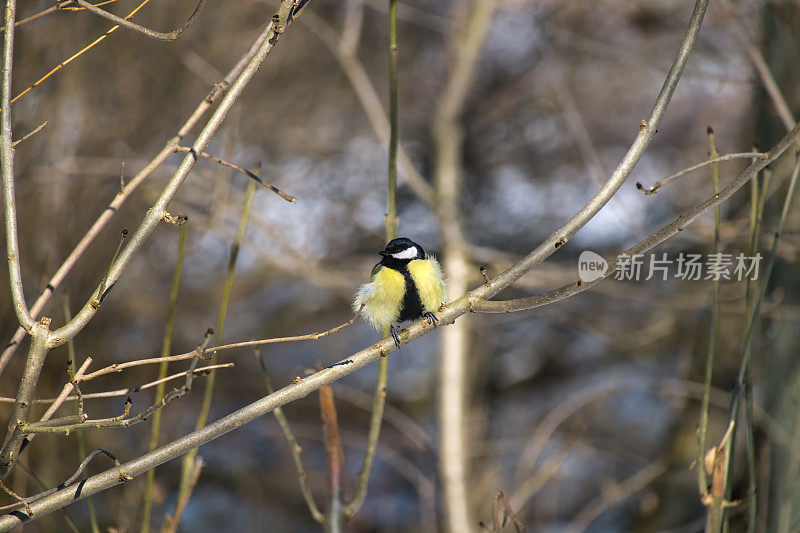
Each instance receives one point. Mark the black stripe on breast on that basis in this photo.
(412, 304)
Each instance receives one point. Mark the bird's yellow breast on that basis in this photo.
(427, 276)
(382, 297)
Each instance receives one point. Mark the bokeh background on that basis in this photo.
(606, 385)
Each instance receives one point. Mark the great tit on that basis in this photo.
(407, 284)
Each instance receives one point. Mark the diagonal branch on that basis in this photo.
(125, 23)
(248, 173)
(215, 94)
(665, 232)
(647, 130)
(294, 447)
(119, 367)
(447, 314)
(298, 389)
(156, 212)
(72, 479)
(654, 188)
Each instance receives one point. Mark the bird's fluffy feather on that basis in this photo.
(427, 276)
(383, 295)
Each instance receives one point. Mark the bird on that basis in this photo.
(406, 284)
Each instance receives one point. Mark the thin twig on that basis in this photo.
(702, 428)
(63, 5)
(119, 367)
(171, 521)
(77, 54)
(130, 390)
(745, 363)
(64, 396)
(647, 130)
(72, 479)
(166, 345)
(763, 70)
(665, 232)
(715, 159)
(294, 446)
(502, 511)
(222, 314)
(200, 353)
(20, 499)
(33, 132)
(249, 174)
(30, 475)
(68, 424)
(168, 36)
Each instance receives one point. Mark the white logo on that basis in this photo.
(591, 266)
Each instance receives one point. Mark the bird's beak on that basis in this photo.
(384, 253)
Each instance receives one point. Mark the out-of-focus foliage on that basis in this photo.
(560, 91)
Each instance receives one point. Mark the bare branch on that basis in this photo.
(727, 157)
(64, 4)
(171, 521)
(68, 424)
(64, 396)
(664, 233)
(466, 42)
(7, 168)
(169, 36)
(22, 407)
(130, 390)
(249, 174)
(760, 64)
(216, 92)
(72, 479)
(119, 367)
(154, 214)
(647, 130)
(294, 447)
(33, 132)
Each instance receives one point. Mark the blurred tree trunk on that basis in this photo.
(469, 31)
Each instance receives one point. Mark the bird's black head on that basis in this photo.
(401, 251)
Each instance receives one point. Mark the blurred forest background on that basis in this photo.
(584, 411)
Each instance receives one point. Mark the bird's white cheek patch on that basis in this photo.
(408, 253)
